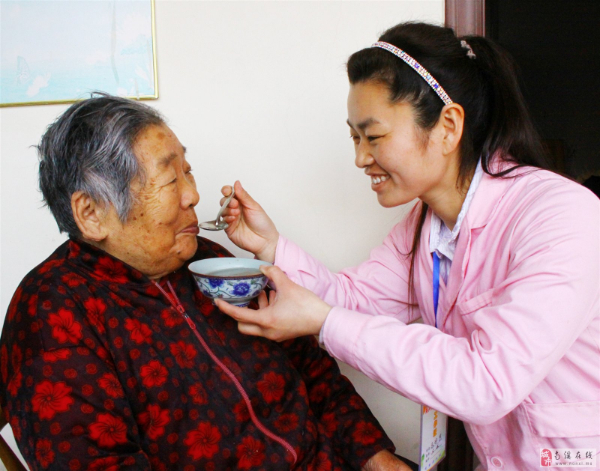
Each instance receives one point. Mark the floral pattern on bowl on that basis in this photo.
(217, 278)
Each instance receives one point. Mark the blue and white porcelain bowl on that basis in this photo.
(235, 280)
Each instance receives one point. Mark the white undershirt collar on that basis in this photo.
(441, 239)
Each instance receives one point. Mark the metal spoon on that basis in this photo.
(218, 224)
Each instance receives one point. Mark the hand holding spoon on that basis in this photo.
(218, 224)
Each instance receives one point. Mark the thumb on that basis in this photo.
(278, 279)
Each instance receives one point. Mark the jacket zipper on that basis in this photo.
(174, 300)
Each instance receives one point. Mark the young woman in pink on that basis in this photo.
(500, 257)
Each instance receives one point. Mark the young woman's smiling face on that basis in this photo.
(402, 160)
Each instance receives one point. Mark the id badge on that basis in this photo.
(434, 426)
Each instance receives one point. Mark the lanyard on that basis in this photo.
(436, 284)
(433, 423)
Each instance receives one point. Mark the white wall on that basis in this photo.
(256, 91)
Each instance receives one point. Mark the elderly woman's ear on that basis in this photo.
(89, 217)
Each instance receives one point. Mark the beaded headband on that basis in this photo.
(422, 71)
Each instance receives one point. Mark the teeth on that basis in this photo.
(379, 179)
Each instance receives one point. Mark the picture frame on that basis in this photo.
(60, 52)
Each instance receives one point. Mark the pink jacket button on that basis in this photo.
(497, 462)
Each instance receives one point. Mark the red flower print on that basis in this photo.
(44, 453)
(287, 422)
(12, 309)
(110, 270)
(16, 427)
(153, 421)
(231, 366)
(50, 398)
(74, 249)
(49, 265)
(163, 396)
(95, 309)
(271, 386)
(32, 305)
(108, 430)
(72, 280)
(71, 373)
(110, 463)
(111, 385)
(366, 433)
(203, 442)
(140, 333)
(119, 300)
(15, 383)
(206, 306)
(329, 423)
(154, 374)
(64, 326)
(18, 296)
(184, 353)
(53, 356)
(250, 452)
(171, 317)
(241, 412)
(198, 394)
(321, 462)
(17, 356)
(357, 403)
(318, 370)
(319, 392)
(4, 363)
(64, 447)
(261, 350)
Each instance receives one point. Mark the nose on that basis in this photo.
(189, 195)
(364, 158)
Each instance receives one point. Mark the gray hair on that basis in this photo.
(89, 148)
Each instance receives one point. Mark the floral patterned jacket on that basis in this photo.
(101, 370)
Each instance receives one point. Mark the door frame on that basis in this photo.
(465, 16)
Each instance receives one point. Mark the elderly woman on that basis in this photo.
(110, 355)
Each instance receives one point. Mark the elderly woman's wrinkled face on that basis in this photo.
(160, 234)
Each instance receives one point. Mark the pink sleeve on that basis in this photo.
(546, 307)
(378, 286)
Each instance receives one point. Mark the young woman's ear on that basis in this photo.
(452, 120)
(89, 217)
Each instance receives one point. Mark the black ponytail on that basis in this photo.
(509, 131)
(478, 75)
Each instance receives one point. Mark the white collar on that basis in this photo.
(441, 239)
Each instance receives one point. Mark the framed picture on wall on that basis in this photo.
(59, 52)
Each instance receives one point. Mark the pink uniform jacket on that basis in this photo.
(517, 352)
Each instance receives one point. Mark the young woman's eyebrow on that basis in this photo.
(363, 124)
